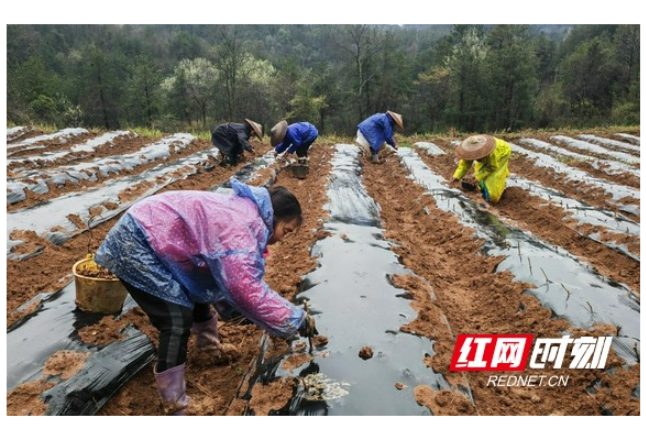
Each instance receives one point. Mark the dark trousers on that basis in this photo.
(174, 324)
(302, 150)
(233, 158)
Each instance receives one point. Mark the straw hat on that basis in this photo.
(397, 118)
(476, 147)
(278, 133)
(257, 128)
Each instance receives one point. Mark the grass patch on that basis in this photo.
(568, 160)
(47, 128)
(147, 131)
(402, 140)
(203, 135)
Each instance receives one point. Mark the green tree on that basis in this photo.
(23, 43)
(97, 86)
(586, 77)
(545, 51)
(473, 78)
(256, 78)
(432, 93)
(192, 87)
(393, 81)
(466, 64)
(230, 56)
(511, 69)
(26, 81)
(285, 87)
(143, 97)
(361, 43)
(626, 49)
(184, 45)
(305, 106)
(322, 86)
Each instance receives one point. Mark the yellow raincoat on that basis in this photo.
(491, 171)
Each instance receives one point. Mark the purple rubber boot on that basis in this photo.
(172, 390)
(207, 334)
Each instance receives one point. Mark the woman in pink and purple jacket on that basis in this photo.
(180, 251)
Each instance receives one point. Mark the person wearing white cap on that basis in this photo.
(231, 138)
(491, 156)
(378, 130)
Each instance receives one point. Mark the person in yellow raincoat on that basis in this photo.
(491, 156)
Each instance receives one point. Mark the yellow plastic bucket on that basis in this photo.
(97, 295)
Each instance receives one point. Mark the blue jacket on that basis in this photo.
(378, 129)
(298, 134)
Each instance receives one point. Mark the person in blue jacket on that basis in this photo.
(378, 130)
(295, 138)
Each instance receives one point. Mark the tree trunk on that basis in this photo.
(104, 110)
(148, 103)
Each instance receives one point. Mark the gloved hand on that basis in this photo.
(308, 327)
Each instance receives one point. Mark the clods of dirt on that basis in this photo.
(65, 363)
(443, 402)
(266, 398)
(320, 341)
(25, 399)
(366, 353)
(229, 350)
(224, 355)
(296, 360)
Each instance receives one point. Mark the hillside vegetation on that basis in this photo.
(190, 77)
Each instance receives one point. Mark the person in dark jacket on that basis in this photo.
(295, 138)
(232, 138)
(378, 130)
